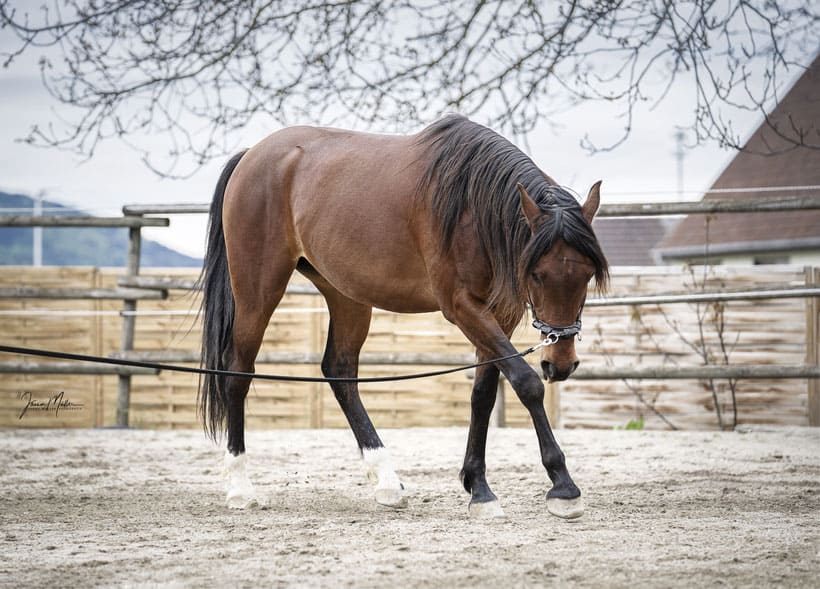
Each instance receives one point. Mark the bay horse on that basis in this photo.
(454, 218)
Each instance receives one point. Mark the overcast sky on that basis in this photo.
(642, 169)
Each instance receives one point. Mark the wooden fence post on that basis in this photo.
(317, 410)
(498, 418)
(552, 403)
(128, 320)
(98, 349)
(812, 347)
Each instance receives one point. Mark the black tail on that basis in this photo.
(218, 312)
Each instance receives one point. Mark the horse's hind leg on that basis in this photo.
(349, 325)
(256, 296)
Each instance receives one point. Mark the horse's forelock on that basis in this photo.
(568, 224)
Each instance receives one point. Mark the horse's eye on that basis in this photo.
(535, 278)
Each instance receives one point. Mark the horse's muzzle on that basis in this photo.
(554, 374)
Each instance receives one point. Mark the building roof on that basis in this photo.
(630, 241)
(785, 166)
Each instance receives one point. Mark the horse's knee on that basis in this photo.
(529, 388)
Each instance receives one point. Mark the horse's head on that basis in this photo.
(561, 258)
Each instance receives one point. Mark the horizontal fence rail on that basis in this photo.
(168, 283)
(35, 292)
(670, 298)
(80, 221)
(702, 207)
(191, 208)
(710, 206)
(784, 291)
(707, 372)
(371, 358)
(70, 368)
(789, 292)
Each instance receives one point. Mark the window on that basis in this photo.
(762, 259)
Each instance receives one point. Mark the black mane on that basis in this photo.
(474, 169)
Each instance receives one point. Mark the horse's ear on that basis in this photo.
(592, 202)
(531, 210)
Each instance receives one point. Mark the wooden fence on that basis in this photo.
(620, 335)
(653, 338)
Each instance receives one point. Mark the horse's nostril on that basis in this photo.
(549, 370)
(552, 373)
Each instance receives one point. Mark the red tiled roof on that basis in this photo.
(629, 241)
(796, 166)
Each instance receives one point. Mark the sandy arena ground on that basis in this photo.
(126, 508)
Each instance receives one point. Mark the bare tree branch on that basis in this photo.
(198, 71)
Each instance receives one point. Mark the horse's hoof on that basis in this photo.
(486, 510)
(240, 499)
(566, 508)
(390, 497)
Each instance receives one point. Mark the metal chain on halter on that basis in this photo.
(551, 333)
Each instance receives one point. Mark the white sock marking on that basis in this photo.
(241, 493)
(389, 490)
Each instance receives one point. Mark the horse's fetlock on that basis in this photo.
(555, 462)
(466, 480)
(470, 472)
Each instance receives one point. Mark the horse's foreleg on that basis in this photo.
(484, 331)
(564, 499)
(483, 502)
(349, 325)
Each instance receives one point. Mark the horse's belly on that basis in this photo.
(406, 300)
(392, 287)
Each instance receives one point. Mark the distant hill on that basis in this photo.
(78, 246)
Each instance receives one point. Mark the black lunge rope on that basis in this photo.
(279, 377)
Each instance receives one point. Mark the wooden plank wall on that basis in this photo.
(757, 332)
(64, 332)
(760, 332)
